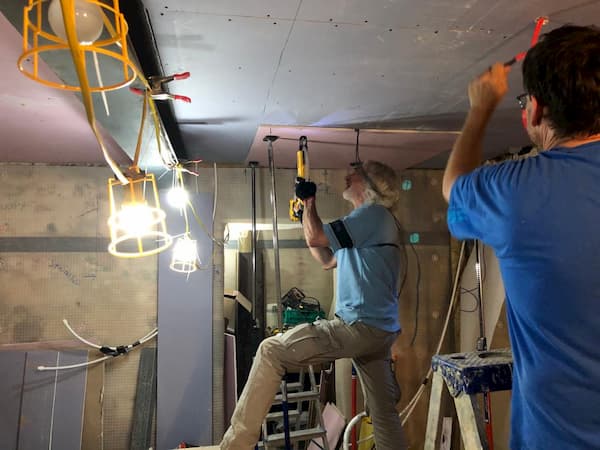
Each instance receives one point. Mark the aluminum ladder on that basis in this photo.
(294, 393)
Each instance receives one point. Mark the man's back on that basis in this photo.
(541, 216)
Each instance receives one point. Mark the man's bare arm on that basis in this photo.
(485, 92)
(317, 241)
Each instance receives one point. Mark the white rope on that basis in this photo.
(91, 344)
(74, 366)
(216, 190)
(50, 432)
(410, 407)
(148, 336)
(100, 83)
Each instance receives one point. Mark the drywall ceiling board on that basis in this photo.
(52, 404)
(266, 61)
(583, 13)
(329, 76)
(224, 143)
(232, 65)
(41, 124)
(452, 96)
(335, 147)
(505, 131)
(501, 16)
(512, 24)
(12, 366)
(68, 402)
(240, 8)
(403, 13)
(185, 315)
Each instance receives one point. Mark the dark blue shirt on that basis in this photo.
(541, 215)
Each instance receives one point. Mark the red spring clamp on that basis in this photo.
(158, 90)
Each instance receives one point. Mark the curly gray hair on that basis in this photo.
(382, 184)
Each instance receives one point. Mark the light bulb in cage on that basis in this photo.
(88, 21)
(136, 219)
(185, 255)
(137, 222)
(178, 197)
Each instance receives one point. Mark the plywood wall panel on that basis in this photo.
(54, 221)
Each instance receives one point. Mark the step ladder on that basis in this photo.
(466, 375)
(294, 393)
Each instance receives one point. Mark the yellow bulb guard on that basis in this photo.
(136, 223)
(37, 40)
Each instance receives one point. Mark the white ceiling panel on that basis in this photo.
(231, 8)
(336, 147)
(377, 64)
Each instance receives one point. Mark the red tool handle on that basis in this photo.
(183, 98)
(136, 90)
(539, 23)
(181, 76)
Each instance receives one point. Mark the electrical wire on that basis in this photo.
(215, 193)
(356, 153)
(410, 407)
(417, 300)
(225, 239)
(220, 242)
(111, 352)
(100, 83)
(217, 241)
(404, 271)
(470, 292)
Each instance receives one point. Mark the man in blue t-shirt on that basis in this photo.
(364, 246)
(541, 215)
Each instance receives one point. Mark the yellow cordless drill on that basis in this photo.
(302, 167)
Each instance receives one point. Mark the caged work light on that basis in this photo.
(137, 223)
(91, 28)
(100, 28)
(185, 255)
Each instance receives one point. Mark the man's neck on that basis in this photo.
(572, 141)
(357, 201)
(576, 142)
(356, 204)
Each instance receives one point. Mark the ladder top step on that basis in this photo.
(475, 372)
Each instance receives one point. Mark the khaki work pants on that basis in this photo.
(320, 342)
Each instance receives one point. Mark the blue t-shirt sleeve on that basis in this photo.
(364, 226)
(480, 203)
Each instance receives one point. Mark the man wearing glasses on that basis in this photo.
(364, 246)
(541, 215)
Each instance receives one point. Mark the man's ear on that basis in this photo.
(537, 111)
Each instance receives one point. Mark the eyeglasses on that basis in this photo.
(522, 100)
